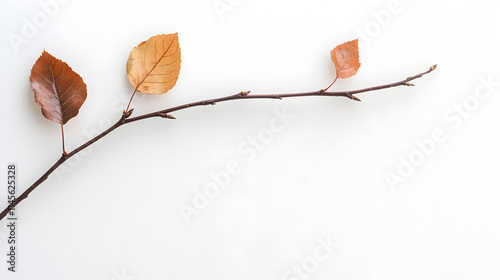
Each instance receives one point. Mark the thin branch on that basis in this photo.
(245, 95)
(124, 119)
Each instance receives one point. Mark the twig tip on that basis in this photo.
(433, 67)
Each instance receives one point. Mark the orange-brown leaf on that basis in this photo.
(58, 89)
(153, 66)
(346, 59)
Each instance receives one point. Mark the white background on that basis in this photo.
(113, 212)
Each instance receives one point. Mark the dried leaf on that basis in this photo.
(153, 66)
(346, 59)
(58, 89)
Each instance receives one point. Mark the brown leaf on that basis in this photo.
(346, 59)
(153, 66)
(58, 89)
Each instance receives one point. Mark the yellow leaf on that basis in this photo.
(153, 66)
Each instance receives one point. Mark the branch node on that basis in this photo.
(166, 116)
(410, 85)
(278, 97)
(206, 102)
(350, 96)
(127, 114)
(244, 93)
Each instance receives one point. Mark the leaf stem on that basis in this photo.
(165, 114)
(130, 101)
(62, 133)
(331, 83)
